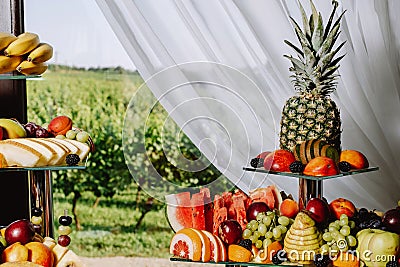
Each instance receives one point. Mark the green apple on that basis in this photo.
(376, 245)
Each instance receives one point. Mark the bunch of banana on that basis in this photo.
(63, 256)
(24, 53)
(303, 240)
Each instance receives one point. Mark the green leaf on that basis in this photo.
(300, 35)
(306, 25)
(298, 50)
(314, 13)
(328, 43)
(317, 34)
(328, 25)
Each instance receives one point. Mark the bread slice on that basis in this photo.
(49, 154)
(19, 155)
(84, 148)
(72, 148)
(60, 150)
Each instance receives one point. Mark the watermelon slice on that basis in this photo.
(238, 205)
(220, 213)
(198, 216)
(208, 209)
(179, 211)
(270, 195)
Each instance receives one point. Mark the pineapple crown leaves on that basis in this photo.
(314, 69)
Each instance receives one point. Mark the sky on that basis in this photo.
(78, 31)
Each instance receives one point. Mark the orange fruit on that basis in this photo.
(205, 245)
(345, 259)
(223, 252)
(238, 253)
(321, 166)
(265, 255)
(214, 247)
(356, 159)
(289, 208)
(186, 244)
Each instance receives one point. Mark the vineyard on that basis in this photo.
(113, 214)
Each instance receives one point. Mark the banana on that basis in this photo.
(24, 43)
(6, 39)
(41, 53)
(13, 128)
(8, 64)
(30, 68)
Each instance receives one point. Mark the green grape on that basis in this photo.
(333, 225)
(82, 137)
(254, 226)
(337, 223)
(276, 232)
(334, 248)
(246, 233)
(269, 235)
(267, 221)
(343, 216)
(279, 239)
(339, 237)
(335, 234)
(260, 217)
(345, 230)
(253, 239)
(259, 244)
(352, 224)
(344, 221)
(325, 249)
(327, 237)
(270, 213)
(248, 226)
(283, 220)
(282, 228)
(351, 241)
(291, 221)
(262, 229)
(70, 134)
(257, 234)
(266, 242)
(330, 243)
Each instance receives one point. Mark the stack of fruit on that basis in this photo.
(24, 53)
(21, 245)
(31, 145)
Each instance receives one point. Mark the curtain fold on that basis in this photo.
(225, 59)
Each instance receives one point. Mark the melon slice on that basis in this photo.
(198, 216)
(208, 209)
(179, 211)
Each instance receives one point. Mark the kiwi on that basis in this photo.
(313, 148)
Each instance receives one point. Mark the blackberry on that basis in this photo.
(279, 257)
(344, 166)
(246, 243)
(391, 264)
(321, 260)
(257, 162)
(72, 159)
(36, 211)
(296, 167)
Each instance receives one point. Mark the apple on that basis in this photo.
(391, 219)
(230, 231)
(19, 231)
(15, 252)
(254, 209)
(289, 208)
(60, 125)
(279, 160)
(262, 155)
(341, 206)
(40, 254)
(321, 166)
(318, 210)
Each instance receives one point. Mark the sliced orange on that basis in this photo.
(265, 255)
(214, 246)
(346, 259)
(205, 246)
(238, 253)
(223, 252)
(186, 244)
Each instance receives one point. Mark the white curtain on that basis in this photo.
(218, 69)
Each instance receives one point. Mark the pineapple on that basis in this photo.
(312, 114)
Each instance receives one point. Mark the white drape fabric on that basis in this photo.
(224, 59)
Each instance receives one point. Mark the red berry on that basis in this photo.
(64, 240)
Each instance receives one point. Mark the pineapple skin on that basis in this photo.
(306, 117)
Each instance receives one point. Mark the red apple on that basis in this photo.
(19, 231)
(319, 210)
(254, 209)
(15, 252)
(40, 254)
(60, 125)
(279, 160)
(341, 206)
(230, 232)
(391, 219)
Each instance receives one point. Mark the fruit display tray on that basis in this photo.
(315, 178)
(45, 168)
(237, 264)
(19, 77)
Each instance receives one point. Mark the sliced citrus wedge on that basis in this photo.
(186, 244)
(214, 246)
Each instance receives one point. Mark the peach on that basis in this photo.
(40, 254)
(321, 166)
(341, 206)
(289, 208)
(279, 160)
(356, 159)
(60, 125)
(15, 252)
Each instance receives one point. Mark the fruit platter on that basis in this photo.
(22, 244)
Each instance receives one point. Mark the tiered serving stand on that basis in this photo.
(309, 187)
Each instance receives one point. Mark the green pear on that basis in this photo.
(376, 245)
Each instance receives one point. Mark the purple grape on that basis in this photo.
(42, 133)
(30, 129)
